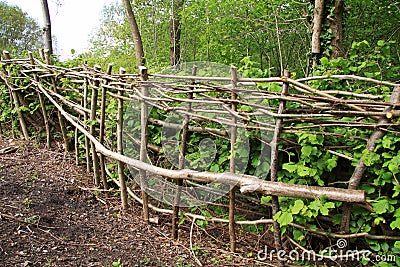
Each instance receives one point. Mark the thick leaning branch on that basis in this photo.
(355, 179)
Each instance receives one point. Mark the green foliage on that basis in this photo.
(117, 263)
(364, 60)
(145, 261)
(311, 164)
(223, 31)
(18, 31)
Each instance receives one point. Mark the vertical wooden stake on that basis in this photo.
(42, 105)
(181, 164)
(102, 129)
(121, 174)
(232, 235)
(93, 109)
(274, 164)
(143, 143)
(14, 96)
(85, 118)
(41, 54)
(11, 98)
(76, 146)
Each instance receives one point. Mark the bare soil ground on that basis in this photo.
(48, 219)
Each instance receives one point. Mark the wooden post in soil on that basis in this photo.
(232, 235)
(143, 142)
(181, 164)
(274, 164)
(120, 122)
(102, 128)
(93, 109)
(85, 118)
(76, 146)
(11, 98)
(42, 104)
(15, 100)
(61, 120)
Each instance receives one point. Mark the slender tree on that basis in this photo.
(334, 21)
(137, 39)
(336, 25)
(47, 38)
(317, 29)
(175, 32)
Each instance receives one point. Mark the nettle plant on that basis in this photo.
(308, 161)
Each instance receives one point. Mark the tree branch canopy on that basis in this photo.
(137, 39)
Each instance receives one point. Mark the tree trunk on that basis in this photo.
(48, 42)
(135, 32)
(175, 32)
(336, 25)
(317, 28)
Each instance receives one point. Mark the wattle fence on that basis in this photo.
(147, 123)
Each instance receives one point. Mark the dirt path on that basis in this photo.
(48, 220)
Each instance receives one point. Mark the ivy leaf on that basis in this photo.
(201, 223)
(394, 165)
(283, 218)
(308, 213)
(324, 210)
(214, 168)
(354, 69)
(337, 219)
(315, 205)
(381, 43)
(385, 247)
(395, 224)
(387, 155)
(397, 191)
(290, 167)
(265, 199)
(397, 213)
(369, 158)
(255, 161)
(375, 246)
(331, 163)
(387, 142)
(245, 108)
(303, 170)
(378, 220)
(298, 235)
(369, 189)
(381, 206)
(298, 206)
(306, 151)
(324, 61)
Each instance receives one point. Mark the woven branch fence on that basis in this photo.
(95, 104)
